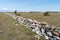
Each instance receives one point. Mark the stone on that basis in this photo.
(43, 30)
(1, 31)
(49, 33)
(39, 33)
(53, 27)
(57, 37)
(30, 20)
(33, 30)
(37, 36)
(16, 24)
(55, 33)
(44, 23)
(46, 37)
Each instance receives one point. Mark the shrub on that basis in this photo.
(18, 14)
(46, 14)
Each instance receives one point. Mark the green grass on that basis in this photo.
(54, 19)
(13, 32)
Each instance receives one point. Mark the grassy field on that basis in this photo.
(11, 31)
(54, 19)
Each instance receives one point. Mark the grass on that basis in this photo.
(54, 19)
(20, 32)
(12, 32)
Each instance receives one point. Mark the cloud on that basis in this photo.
(4, 9)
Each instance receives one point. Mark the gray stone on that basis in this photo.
(1, 31)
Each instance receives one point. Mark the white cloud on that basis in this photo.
(4, 9)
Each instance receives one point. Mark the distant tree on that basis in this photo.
(46, 14)
(31, 11)
(15, 12)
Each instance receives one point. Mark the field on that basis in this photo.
(53, 20)
(12, 30)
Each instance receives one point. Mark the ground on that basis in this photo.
(12, 30)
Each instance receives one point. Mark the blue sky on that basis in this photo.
(30, 5)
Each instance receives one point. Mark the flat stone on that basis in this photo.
(1, 31)
(16, 24)
(49, 33)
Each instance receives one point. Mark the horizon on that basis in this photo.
(30, 5)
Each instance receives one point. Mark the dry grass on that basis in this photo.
(54, 19)
(20, 32)
(13, 32)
